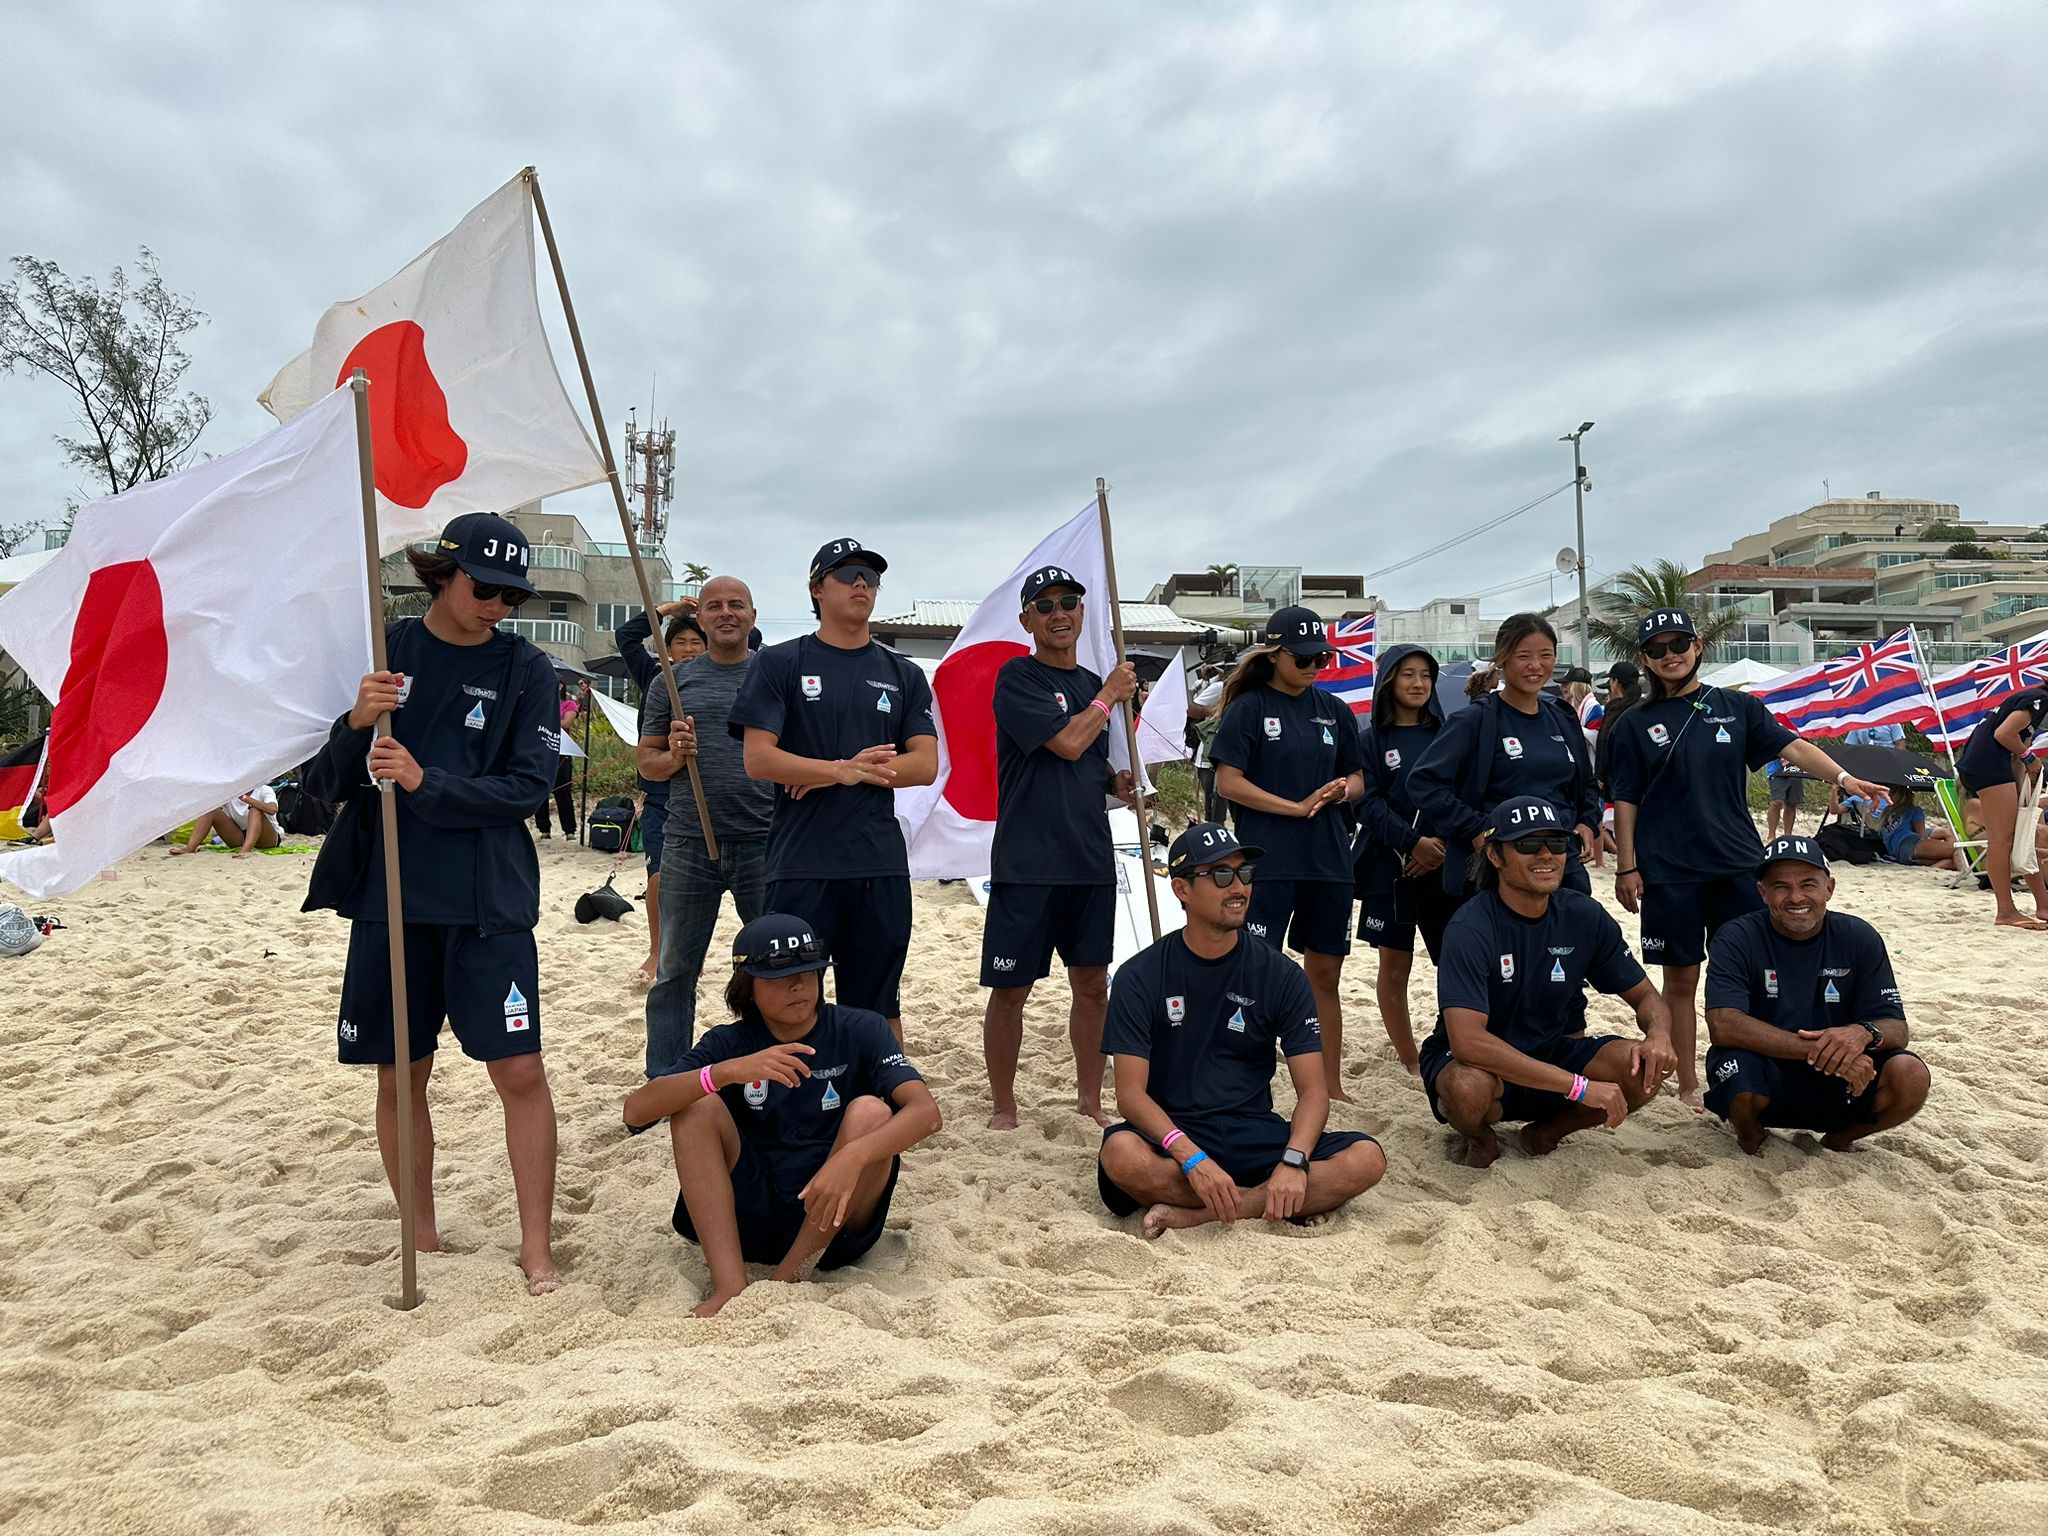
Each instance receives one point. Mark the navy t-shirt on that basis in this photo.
(1532, 756)
(1983, 760)
(852, 1053)
(1401, 748)
(1051, 826)
(1291, 746)
(1685, 764)
(825, 702)
(1209, 1028)
(1529, 975)
(446, 711)
(1841, 975)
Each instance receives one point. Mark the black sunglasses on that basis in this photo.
(1318, 660)
(1224, 876)
(850, 573)
(809, 952)
(1065, 604)
(1656, 650)
(1542, 842)
(496, 592)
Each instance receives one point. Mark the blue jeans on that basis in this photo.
(692, 885)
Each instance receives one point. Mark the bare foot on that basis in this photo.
(1691, 1099)
(425, 1237)
(2025, 924)
(1412, 1066)
(1483, 1150)
(1167, 1218)
(1096, 1113)
(644, 977)
(1320, 1219)
(1750, 1136)
(1338, 1095)
(1003, 1120)
(542, 1277)
(1839, 1141)
(709, 1306)
(1540, 1138)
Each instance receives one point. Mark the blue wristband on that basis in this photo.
(1199, 1157)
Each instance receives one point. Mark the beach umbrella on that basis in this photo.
(1893, 767)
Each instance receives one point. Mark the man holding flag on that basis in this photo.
(1052, 868)
(836, 721)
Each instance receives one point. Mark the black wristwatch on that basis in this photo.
(1293, 1158)
(1876, 1036)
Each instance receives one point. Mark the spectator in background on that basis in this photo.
(245, 822)
(564, 791)
(683, 638)
(1205, 710)
(1786, 792)
(1624, 692)
(1877, 736)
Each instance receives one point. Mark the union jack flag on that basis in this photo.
(1350, 676)
(1973, 692)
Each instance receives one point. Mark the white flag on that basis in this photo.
(179, 680)
(949, 825)
(467, 412)
(1163, 724)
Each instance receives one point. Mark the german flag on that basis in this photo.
(18, 772)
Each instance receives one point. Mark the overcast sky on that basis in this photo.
(1313, 285)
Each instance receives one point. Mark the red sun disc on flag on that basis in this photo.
(964, 688)
(119, 658)
(417, 450)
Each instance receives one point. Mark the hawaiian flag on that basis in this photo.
(1351, 675)
(1875, 684)
(1973, 692)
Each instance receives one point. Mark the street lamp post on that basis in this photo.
(1579, 483)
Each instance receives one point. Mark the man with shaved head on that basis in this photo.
(692, 882)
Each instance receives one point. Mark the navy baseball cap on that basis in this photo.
(776, 944)
(1520, 815)
(839, 552)
(1799, 850)
(1203, 844)
(1665, 621)
(1299, 630)
(1048, 576)
(490, 548)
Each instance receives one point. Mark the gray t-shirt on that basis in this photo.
(739, 805)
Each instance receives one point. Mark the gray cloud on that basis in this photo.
(1309, 284)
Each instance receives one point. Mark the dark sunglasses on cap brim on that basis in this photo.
(1541, 842)
(788, 957)
(1223, 876)
(1677, 645)
(852, 571)
(1317, 659)
(1066, 602)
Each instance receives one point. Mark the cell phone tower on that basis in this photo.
(651, 476)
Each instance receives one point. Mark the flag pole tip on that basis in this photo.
(1101, 485)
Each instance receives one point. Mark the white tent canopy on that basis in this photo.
(1741, 674)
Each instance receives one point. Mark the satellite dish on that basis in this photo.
(1567, 560)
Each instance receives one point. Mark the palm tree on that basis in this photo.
(1226, 579)
(1643, 589)
(692, 571)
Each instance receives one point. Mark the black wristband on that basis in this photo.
(1620, 872)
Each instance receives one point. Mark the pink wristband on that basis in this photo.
(1577, 1095)
(704, 1081)
(1098, 704)
(1166, 1144)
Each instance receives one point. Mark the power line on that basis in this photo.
(1469, 534)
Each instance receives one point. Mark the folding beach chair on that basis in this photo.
(1950, 793)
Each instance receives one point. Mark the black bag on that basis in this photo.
(602, 902)
(303, 816)
(1845, 845)
(610, 820)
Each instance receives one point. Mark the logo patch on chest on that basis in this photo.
(1393, 757)
(757, 1093)
(831, 1098)
(1059, 699)
(1176, 1009)
(1832, 994)
(1507, 967)
(1512, 745)
(475, 718)
(1660, 735)
(1770, 983)
(1236, 1024)
(814, 685)
(1721, 735)
(1557, 970)
(1272, 727)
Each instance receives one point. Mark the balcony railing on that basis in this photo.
(620, 552)
(557, 557)
(546, 631)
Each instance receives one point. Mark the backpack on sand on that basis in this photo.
(610, 821)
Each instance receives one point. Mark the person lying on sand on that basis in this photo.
(1808, 1029)
(788, 1124)
(1193, 1023)
(1510, 1041)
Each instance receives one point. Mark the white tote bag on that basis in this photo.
(2026, 857)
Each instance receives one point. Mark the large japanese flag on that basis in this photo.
(949, 825)
(467, 412)
(199, 634)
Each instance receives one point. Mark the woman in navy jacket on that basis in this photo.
(1513, 742)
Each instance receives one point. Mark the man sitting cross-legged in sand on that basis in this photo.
(1807, 1026)
(1510, 1040)
(788, 1124)
(1193, 1021)
(244, 823)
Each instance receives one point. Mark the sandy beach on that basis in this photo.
(1647, 1332)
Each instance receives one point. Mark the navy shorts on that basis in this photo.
(487, 986)
(653, 830)
(1417, 903)
(1680, 919)
(1802, 1097)
(864, 924)
(1573, 1053)
(1248, 1150)
(1976, 783)
(1787, 789)
(1026, 923)
(769, 1220)
(1312, 915)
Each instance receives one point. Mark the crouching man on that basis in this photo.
(789, 1123)
(1808, 1029)
(1193, 1023)
(1511, 1041)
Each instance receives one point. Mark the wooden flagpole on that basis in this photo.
(1116, 628)
(611, 470)
(394, 900)
(1933, 699)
